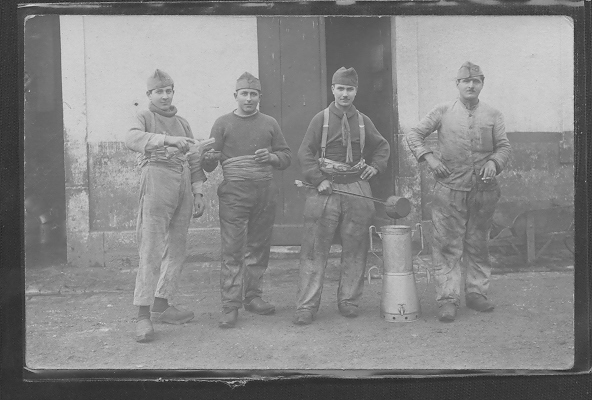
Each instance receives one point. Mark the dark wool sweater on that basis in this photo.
(240, 136)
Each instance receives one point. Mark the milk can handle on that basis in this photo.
(369, 273)
(370, 233)
(372, 250)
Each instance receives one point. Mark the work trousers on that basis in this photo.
(166, 205)
(247, 214)
(462, 221)
(323, 214)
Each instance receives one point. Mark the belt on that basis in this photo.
(344, 177)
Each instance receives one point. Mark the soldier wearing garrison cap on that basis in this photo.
(472, 150)
(249, 146)
(343, 150)
(170, 190)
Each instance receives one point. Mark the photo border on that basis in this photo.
(179, 383)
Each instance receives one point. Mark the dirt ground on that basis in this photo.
(84, 319)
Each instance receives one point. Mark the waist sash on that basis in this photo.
(246, 168)
(165, 155)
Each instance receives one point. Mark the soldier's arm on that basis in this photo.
(416, 136)
(137, 139)
(309, 148)
(501, 144)
(211, 158)
(194, 159)
(280, 148)
(378, 145)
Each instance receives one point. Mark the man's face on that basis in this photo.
(344, 94)
(247, 100)
(469, 88)
(162, 97)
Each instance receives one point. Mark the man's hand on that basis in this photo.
(263, 156)
(199, 206)
(180, 142)
(368, 172)
(325, 187)
(488, 170)
(212, 156)
(437, 166)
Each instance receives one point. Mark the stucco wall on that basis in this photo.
(201, 54)
(528, 65)
(105, 63)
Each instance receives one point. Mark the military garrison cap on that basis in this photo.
(468, 70)
(345, 76)
(159, 79)
(248, 81)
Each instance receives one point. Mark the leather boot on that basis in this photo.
(303, 317)
(348, 310)
(478, 302)
(172, 315)
(447, 312)
(258, 306)
(228, 318)
(144, 331)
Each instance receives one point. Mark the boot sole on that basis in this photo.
(264, 312)
(349, 315)
(172, 322)
(302, 323)
(487, 309)
(305, 320)
(148, 337)
(446, 318)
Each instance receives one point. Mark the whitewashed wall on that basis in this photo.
(527, 62)
(528, 66)
(203, 54)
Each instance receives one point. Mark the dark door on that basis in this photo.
(297, 57)
(291, 70)
(365, 44)
(44, 176)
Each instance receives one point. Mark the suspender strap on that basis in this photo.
(325, 130)
(362, 134)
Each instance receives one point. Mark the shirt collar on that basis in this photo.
(463, 105)
(245, 116)
(351, 112)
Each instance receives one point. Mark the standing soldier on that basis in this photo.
(249, 145)
(473, 149)
(338, 143)
(170, 188)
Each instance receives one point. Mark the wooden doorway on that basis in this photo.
(43, 130)
(365, 44)
(291, 70)
(297, 57)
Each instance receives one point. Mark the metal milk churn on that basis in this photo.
(400, 302)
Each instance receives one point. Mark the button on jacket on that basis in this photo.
(467, 139)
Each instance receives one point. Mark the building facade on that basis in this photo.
(406, 65)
